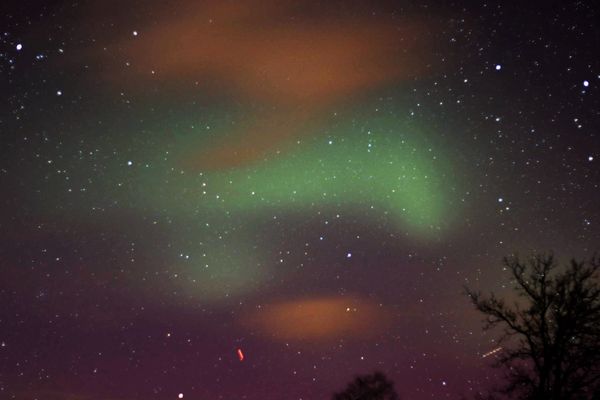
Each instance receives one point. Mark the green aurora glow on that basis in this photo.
(375, 167)
(389, 167)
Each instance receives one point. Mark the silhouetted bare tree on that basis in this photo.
(368, 387)
(551, 333)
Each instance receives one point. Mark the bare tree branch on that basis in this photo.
(555, 346)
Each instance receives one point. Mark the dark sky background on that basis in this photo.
(312, 183)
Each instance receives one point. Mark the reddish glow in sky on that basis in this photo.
(296, 60)
(309, 182)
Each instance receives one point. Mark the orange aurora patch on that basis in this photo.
(317, 319)
(271, 51)
(293, 60)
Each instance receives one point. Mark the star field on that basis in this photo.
(259, 200)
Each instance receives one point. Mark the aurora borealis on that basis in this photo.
(310, 182)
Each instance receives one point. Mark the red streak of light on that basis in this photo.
(240, 354)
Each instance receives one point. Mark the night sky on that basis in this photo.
(309, 183)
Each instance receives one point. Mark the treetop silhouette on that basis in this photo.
(375, 386)
(551, 334)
